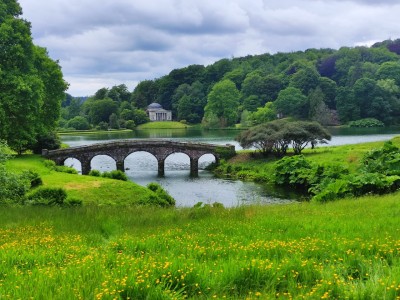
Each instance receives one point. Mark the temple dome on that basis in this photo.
(154, 106)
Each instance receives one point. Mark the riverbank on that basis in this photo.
(248, 165)
(346, 249)
(88, 189)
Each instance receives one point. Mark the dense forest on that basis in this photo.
(329, 86)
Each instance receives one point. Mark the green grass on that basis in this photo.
(261, 169)
(91, 190)
(163, 125)
(348, 249)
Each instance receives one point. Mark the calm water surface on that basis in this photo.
(142, 166)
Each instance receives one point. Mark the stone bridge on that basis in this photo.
(120, 149)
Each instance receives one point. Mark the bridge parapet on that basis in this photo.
(120, 149)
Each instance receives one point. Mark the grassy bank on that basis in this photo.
(348, 249)
(163, 125)
(247, 166)
(91, 190)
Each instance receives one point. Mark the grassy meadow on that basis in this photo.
(348, 249)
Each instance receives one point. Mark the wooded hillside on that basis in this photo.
(329, 86)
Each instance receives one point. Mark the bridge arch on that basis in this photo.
(207, 159)
(108, 163)
(73, 162)
(141, 160)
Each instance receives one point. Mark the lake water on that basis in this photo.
(142, 166)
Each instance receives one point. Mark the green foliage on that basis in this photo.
(225, 153)
(95, 173)
(292, 102)
(130, 124)
(385, 160)
(223, 102)
(34, 178)
(51, 165)
(115, 174)
(31, 85)
(47, 196)
(367, 122)
(12, 186)
(166, 199)
(296, 171)
(78, 123)
(276, 136)
(49, 141)
(264, 114)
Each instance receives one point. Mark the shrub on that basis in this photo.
(34, 178)
(130, 124)
(49, 141)
(70, 201)
(115, 174)
(295, 171)
(78, 123)
(64, 169)
(367, 122)
(161, 193)
(95, 173)
(47, 196)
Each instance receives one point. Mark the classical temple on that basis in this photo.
(156, 113)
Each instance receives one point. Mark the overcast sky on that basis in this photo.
(110, 42)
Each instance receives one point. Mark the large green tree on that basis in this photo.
(223, 102)
(31, 84)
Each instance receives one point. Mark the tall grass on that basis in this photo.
(343, 250)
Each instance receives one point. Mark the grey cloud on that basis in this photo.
(124, 41)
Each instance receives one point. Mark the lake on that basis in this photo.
(142, 166)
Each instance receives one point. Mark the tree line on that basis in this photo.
(329, 86)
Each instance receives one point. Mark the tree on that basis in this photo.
(31, 84)
(305, 79)
(264, 114)
(223, 102)
(101, 110)
(347, 105)
(144, 94)
(292, 102)
(390, 70)
(276, 136)
(78, 123)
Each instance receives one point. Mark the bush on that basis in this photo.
(34, 178)
(95, 173)
(368, 122)
(78, 123)
(130, 125)
(63, 169)
(47, 196)
(161, 193)
(73, 201)
(115, 174)
(49, 141)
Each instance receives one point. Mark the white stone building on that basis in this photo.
(157, 113)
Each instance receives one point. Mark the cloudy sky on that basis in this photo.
(110, 42)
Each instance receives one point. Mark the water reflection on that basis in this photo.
(142, 167)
